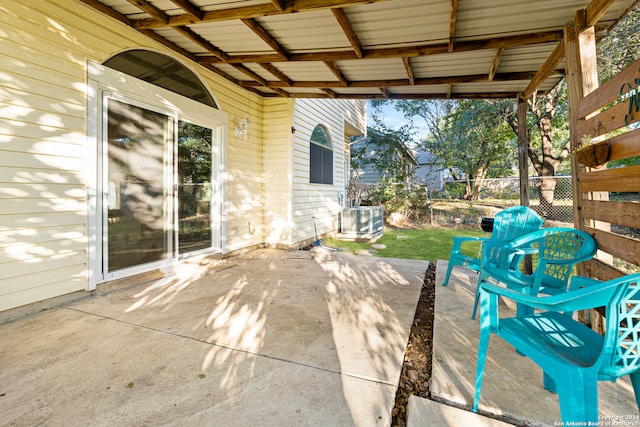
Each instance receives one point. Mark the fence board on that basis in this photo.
(601, 270)
(618, 213)
(625, 179)
(606, 121)
(625, 248)
(625, 145)
(609, 91)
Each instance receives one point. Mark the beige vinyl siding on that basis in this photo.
(245, 182)
(320, 201)
(45, 46)
(278, 171)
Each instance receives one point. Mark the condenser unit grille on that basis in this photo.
(363, 220)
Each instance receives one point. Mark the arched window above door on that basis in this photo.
(164, 71)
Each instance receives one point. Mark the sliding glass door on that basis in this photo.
(194, 187)
(157, 185)
(135, 177)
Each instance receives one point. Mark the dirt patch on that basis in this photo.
(416, 368)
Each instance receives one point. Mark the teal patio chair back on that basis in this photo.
(573, 357)
(507, 225)
(558, 250)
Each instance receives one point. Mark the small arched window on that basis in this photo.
(320, 157)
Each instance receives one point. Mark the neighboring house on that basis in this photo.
(428, 171)
(119, 157)
(381, 156)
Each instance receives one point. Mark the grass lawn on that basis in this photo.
(429, 243)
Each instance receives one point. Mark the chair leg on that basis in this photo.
(483, 345)
(578, 397)
(449, 268)
(635, 381)
(550, 383)
(475, 302)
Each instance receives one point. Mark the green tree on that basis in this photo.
(470, 137)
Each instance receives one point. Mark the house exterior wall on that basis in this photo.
(320, 202)
(278, 171)
(46, 46)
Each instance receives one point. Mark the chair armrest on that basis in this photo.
(459, 240)
(592, 296)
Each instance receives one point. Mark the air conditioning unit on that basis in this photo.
(362, 222)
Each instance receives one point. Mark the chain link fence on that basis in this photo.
(507, 191)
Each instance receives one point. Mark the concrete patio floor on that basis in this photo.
(277, 338)
(268, 338)
(512, 384)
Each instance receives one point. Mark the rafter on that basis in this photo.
(277, 73)
(336, 72)
(408, 69)
(102, 8)
(266, 37)
(545, 71)
(496, 63)
(410, 51)
(171, 45)
(329, 92)
(151, 10)
(257, 11)
(385, 92)
(452, 23)
(259, 79)
(342, 19)
(278, 4)
(190, 8)
(596, 9)
(190, 34)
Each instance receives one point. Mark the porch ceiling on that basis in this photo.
(371, 49)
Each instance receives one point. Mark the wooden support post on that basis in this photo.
(582, 79)
(523, 144)
(523, 165)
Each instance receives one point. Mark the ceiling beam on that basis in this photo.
(408, 69)
(342, 19)
(151, 10)
(266, 37)
(484, 95)
(190, 8)
(410, 51)
(496, 63)
(452, 23)
(257, 11)
(430, 81)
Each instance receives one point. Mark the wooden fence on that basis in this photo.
(609, 118)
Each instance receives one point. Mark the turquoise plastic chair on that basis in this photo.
(573, 357)
(507, 225)
(558, 250)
